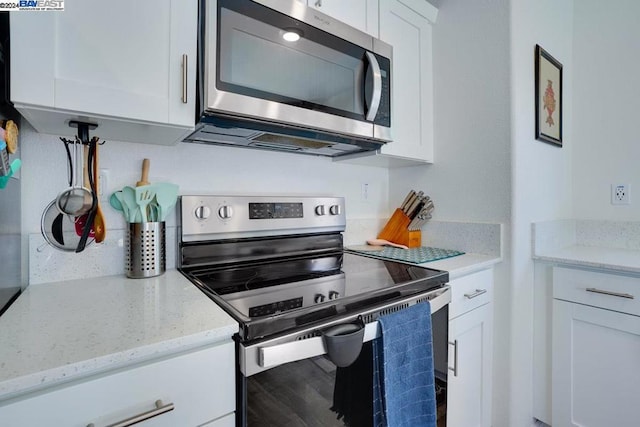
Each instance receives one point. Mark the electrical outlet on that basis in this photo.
(364, 195)
(620, 194)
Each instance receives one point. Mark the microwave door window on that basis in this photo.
(255, 60)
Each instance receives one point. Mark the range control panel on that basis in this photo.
(275, 210)
(221, 217)
(275, 307)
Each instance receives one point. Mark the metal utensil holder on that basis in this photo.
(145, 250)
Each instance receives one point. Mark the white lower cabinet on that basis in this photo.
(596, 349)
(469, 383)
(199, 387)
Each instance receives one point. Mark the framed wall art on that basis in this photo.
(548, 98)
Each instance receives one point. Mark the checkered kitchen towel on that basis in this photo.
(403, 376)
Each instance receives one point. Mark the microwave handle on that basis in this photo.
(376, 95)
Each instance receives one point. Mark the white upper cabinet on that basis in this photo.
(360, 14)
(127, 66)
(407, 26)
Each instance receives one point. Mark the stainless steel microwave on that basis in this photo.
(276, 74)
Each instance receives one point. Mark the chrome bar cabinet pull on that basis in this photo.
(184, 78)
(160, 409)
(455, 358)
(477, 293)
(613, 294)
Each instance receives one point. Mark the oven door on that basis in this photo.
(290, 380)
(339, 84)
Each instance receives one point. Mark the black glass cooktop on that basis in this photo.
(273, 296)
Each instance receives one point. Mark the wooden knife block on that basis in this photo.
(396, 231)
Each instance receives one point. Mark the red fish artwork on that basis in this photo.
(549, 102)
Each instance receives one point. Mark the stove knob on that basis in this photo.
(318, 298)
(334, 295)
(202, 212)
(225, 212)
(320, 210)
(335, 210)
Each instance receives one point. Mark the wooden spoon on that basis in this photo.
(144, 179)
(382, 242)
(99, 225)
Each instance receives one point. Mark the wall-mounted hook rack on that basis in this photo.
(83, 130)
(83, 137)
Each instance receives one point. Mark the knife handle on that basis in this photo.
(410, 202)
(406, 199)
(414, 208)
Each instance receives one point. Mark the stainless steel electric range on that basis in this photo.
(277, 265)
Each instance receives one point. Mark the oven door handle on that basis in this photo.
(271, 356)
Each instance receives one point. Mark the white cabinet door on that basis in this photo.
(595, 367)
(470, 358)
(116, 59)
(360, 14)
(200, 385)
(410, 34)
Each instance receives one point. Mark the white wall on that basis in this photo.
(489, 167)
(471, 177)
(607, 106)
(197, 169)
(541, 174)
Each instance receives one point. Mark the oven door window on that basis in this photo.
(318, 71)
(314, 392)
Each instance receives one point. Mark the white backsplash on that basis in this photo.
(549, 235)
(612, 234)
(359, 230)
(47, 264)
(470, 237)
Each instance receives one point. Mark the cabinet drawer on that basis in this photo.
(200, 385)
(603, 290)
(470, 292)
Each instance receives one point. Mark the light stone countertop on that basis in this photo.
(462, 265)
(615, 259)
(62, 331)
(603, 245)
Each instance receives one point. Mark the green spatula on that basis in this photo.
(166, 197)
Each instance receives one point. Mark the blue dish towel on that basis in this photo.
(403, 376)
